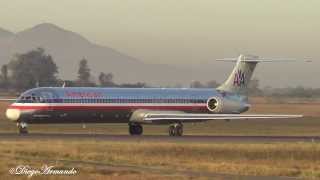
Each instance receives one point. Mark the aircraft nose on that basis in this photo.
(13, 114)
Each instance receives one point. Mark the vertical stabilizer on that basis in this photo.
(241, 75)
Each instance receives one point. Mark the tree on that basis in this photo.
(209, 84)
(84, 73)
(4, 76)
(212, 84)
(196, 84)
(106, 80)
(135, 85)
(31, 69)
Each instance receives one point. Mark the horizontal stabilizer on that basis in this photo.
(249, 58)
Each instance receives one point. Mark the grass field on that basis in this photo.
(97, 159)
(100, 159)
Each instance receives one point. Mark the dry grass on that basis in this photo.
(288, 159)
(310, 109)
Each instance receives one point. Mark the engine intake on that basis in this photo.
(214, 104)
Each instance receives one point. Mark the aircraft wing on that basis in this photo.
(192, 117)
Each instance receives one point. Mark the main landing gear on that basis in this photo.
(22, 128)
(135, 129)
(176, 129)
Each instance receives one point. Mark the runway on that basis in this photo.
(159, 138)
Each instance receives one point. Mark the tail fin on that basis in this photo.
(241, 75)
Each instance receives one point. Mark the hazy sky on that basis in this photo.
(180, 31)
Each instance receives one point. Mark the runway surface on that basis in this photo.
(159, 138)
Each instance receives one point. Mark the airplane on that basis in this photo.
(140, 106)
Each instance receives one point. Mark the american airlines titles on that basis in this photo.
(84, 94)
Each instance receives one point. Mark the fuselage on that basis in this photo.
(115, 105)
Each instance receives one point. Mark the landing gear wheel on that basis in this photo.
(22, 128)
(171, 130)
(179, 130)
(176, 129)
(135, 129)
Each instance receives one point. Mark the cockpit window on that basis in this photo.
(29, 99)
(39, 96)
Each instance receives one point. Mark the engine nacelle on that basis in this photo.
(226, 105)
(214, 105)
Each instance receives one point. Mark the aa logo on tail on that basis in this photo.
(239, 79)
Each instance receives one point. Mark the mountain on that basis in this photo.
(5, 34)
(67, 48)
(6, 38)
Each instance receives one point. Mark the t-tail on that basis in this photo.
(239, 79)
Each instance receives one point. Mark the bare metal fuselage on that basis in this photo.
(115, 105)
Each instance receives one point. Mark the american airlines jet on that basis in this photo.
(138, 106)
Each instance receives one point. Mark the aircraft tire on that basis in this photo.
(22, 128)
(171, 130)
(175, 130)
(135, 129)
(178, 129)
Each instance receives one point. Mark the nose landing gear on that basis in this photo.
(22, 128)
(176, 129)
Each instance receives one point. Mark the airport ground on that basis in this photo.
(146, 158)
